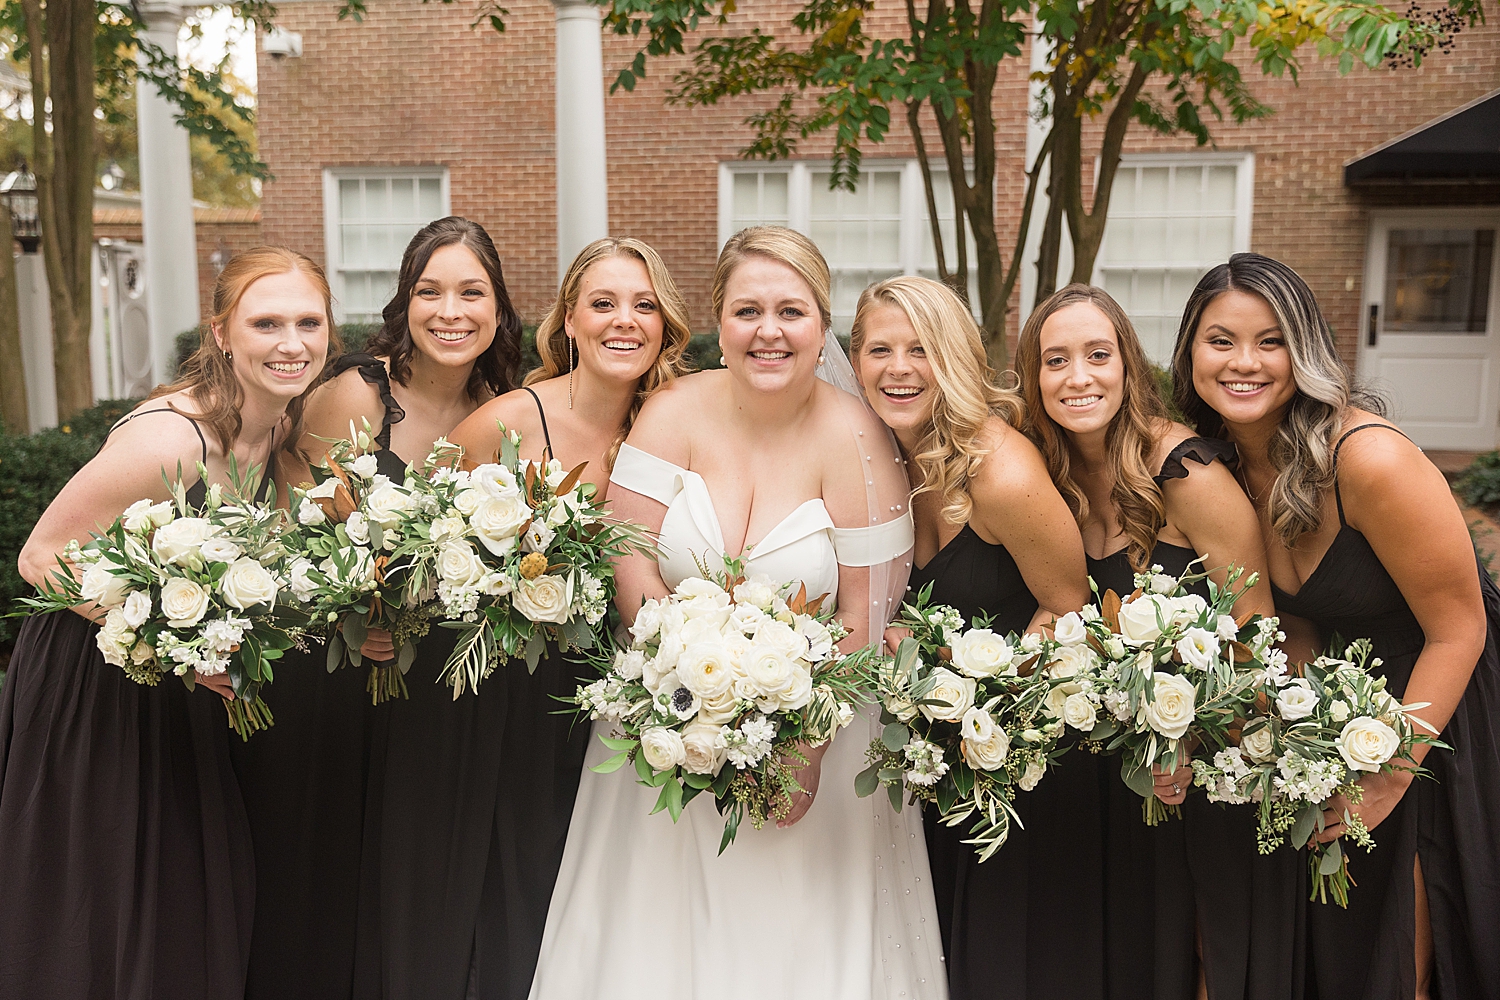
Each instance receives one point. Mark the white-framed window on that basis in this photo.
(1172, 216)
(369, 215)
(879, 230)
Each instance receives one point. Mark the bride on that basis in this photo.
(766, 461)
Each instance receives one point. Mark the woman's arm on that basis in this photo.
(657, 431)
(1220, 524)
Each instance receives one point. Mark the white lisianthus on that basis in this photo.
(663, 748)
(220, 550)
(1079, 712)
(985, 745)
(630, 663)
(324, 490)
(979, 652)
(1367, 743)
(137, 608)
(495, 481)
(302, 586)
(178, 543)
(548, 598)
(495, 584)
(115, 638)
(143, 515)
(247, 583)
(1227, 629)
(1069, 629)
(1142, 620)
(1296, 700)
(954, 694)
(459, 565)
(184, 602)
(498, 520)
(361, 565)
(1187, 609)
(309, 513)
(1198, 647)
(706, 668)
(1259, 744)
(1173, 707)
(1069, 661)
(703, 748)
(538, 536)
(99, 586)
(365, 466)
(358, 528)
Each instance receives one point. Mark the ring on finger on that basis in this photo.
(1176, 789)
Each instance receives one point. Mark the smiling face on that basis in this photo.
(1241, 366)
(278, 335)
(452, 311)
(895, 371)
(616, 323)
(771, 331)
(1082, 377)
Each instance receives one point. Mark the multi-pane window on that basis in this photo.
(370, 216)
(1171, 218)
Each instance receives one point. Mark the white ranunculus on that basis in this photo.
(386, 503)
(137, 608)
(365, 466)
(989, 750)
(797, 691)
(494, 480)
(781, 637)
(706, 668)
(1259, 745)
(247, 583)
(1198, 647)
(979, 652)
(99, 586)
(548, 598)
(184, 602)
(178, 543)
(1367, 743)
(1079, 712)
(302, 586)
(114, 638)
(220, 550)
(1035, 771)
(459, 565)
(1173, 707)
(955, 693)
(757, 592)
(630, 664)
(767, 670)
(1069, 629)
(498, 520)
(309, 513)
(663, 748)
(1297, 700)
(703, 748)
(1141, 620)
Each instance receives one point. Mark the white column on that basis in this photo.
(582, 185)
(1036, 134)
(36, 341)
(166, 203)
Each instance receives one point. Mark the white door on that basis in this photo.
(1430, 327)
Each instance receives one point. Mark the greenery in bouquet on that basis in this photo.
(966, 720)
(1162, 674)
(724, 683)
(1306, 738)
(185, 590)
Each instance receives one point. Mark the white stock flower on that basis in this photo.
(1078, 712)
(99, 586)
(706, 669)
(1297, 700)
(137, 608)
(1198, 647)
(663, 748)
(184, 602)
(1367, 743)
(1173, 707)
(1069, 629)
(954, 694)
(1141, 620)
(979, 652)
(247, 583)
(497, 521)
(703, 748)
(1259, 745)
(178, 543)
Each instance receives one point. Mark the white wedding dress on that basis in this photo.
(837, 907)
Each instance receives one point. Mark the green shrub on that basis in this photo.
(1479, 484)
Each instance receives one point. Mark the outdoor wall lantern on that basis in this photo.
(114, 177)
(18, 192)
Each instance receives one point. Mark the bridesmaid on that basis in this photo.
(450, 341)
(1093, 409)
(126, 869)
(479, 793)
(1363, 538)
(993, 536)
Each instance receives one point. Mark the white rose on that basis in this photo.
(1198, 647)
(137, 608)
(495, 481)
(979, 652)
(220, 550)
(302, 586)
(498, 520)
(324, 490)
(1296, 700)
(1079, 712)
(1161, 583)
(178, 542)
(1069, 661)
(798, 691)
(545, 599)
(114, 638)
(184, 602)
(767, 670)
(385, 504)
(703, 748)
(99, 586)
(1057, 698)
(365, 466)
(446, 529)
(706, 669)
(247, 583)
(985, 744)
(719, 709)
(956, 692)
(143, 515)
(1035, 771)
(467, 501)
(1142, 619)
(663, 748)
(630, 663)
(459, 565)
(1259, 745)
(756, 592)
(1367, 743)
(309, 513)
(1069, 629)
(1173, 707)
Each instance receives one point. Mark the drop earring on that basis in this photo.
(820, 357)
(570, 373)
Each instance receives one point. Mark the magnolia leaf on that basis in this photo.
(1109, 610)
(572, 479)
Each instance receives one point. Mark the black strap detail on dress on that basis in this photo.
(1201, 450)
(1338, 497)
(543, 414)
(373, 371)
(202, 442)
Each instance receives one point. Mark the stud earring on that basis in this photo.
(570, 373)
(228, 356)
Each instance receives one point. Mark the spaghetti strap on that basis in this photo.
(1338, 497)
(543, 414)
(202, 442)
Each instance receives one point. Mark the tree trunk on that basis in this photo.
(14, 412)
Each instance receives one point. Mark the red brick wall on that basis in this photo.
(233, 229)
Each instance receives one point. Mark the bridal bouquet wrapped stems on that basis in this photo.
(1306, 739)
(724, 684)
(186, 590)
(966, 723)
(1162, 674)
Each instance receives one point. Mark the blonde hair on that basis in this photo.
(207, 376)
(1129, 443)
(555, 347)
(786, 246)
(967, 396)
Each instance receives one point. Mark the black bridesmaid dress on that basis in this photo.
(1159, 880)
(305, 786)
(475, 799)
(126, 871)
(1028, 924)
(1451, 820)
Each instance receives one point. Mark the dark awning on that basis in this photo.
(1461, 146)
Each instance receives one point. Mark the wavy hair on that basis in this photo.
(1301, 451)
(1132, 436)
(554, 346)
(967, 396)
(207, 376)
(496, 369)
(787, 246)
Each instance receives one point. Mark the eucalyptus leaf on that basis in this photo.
(866, 781)
(898, 799)
(1139, 780)
(535, 647)
(406, 655)
(335, 652)
(894, 736)
(1333, 859)
(1303, 828)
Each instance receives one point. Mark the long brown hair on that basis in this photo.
(554, 346)
(1130, 442)
(207, 376)
(968, 393)
(495, 369)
